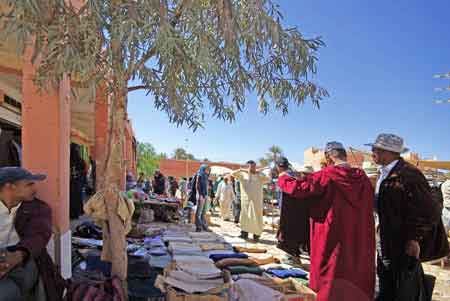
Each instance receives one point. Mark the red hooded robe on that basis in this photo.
(342, 231)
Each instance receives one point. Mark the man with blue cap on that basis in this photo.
(342, 227)
(25, 230)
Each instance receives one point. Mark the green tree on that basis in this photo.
(147, 158)
(263, 161)
(181, 154)
(274, 153)
(188, 55)
(271, 156)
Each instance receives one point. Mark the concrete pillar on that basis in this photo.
(46, 147)
(101, 132)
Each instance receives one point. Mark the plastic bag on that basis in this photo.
(411, 283)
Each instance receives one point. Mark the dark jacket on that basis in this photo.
(408, 211)
(202, 183)
(33, 224)
(159, 184)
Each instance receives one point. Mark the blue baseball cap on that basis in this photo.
(13, 174)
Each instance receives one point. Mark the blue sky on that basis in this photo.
(378, 67)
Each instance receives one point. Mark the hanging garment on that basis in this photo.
(293, 233)
(115, 217)
(77, 181)
(9, 155)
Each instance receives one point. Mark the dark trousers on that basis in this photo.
(236, 210)
(386, 281)
(21, 284)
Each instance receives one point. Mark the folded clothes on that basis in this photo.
(153, 242)
(186, 277)
(182, 248)
(160, 261)
(144, 289)
(240, 269)
(201, 270)
(159, 251)
(205, 237)
(286, 273)
(177, 239)
(249, 250)
(87, 242)
(192, 258)
(138, 268)
(141, 252)
(215, 246)
(211, 252)
(248, 276)
(190, 288)
(95, 264)
(245, 261)
(302, 281)
(217, 257)
(249, 290)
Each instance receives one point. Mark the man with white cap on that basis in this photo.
(342, 227)
(410, 223)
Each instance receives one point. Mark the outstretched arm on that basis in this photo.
(310, 186)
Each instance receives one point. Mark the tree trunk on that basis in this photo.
(114, 167)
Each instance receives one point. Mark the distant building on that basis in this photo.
(314, 156)
(187, 168)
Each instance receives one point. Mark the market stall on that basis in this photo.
(170, 261)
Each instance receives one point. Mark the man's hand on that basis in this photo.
(262, 168)
(413, 248)
(12, 260)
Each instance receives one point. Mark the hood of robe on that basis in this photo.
(352, 182)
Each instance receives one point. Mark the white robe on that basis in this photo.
(251, 201)
(225, 195)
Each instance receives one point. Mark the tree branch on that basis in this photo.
(139, 87)
(152, 51)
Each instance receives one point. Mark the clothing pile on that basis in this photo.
(192, 274)
(251, 287)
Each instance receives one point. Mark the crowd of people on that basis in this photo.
(330, 214)
(352, 228)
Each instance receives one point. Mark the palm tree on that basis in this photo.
(274, 153)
